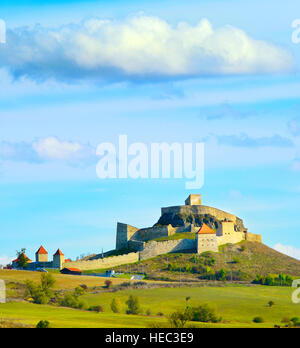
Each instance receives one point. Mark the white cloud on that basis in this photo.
(52, 148)
(139, 47)
(288, 250)
(5, 260)
(47, 149)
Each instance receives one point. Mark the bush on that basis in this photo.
(108, 284)
(40, 293)
(160, 314)
(204, 314)
(148, 312)
(179, 319)
(84, 287)
(43, 324)
(271, 303)
(258, 320)
(72, 301)
(133, 305)
(97, 309)
(115, 305)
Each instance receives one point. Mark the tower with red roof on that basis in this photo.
(58, 259)
(41, 255)
(206, 240)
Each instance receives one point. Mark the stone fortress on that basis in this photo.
(212, 227)
(192, 228)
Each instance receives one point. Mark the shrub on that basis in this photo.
(258, 320)
(108, 284)
(115, 305)
(148, 312)
(84, 287)
(204, 314)
(179, 319)
(133, 305)
(40, 293)
(79, 291)
(271, 303)
(160, 314)
(98, 309)
(43, 324)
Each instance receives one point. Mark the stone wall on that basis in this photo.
(146, 234)
(107, 262)
(200, 210)
(233, 238)
(153, 248)
(254, 237)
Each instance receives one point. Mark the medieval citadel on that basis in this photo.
(192, 227)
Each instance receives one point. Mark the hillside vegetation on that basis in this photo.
(241, 262)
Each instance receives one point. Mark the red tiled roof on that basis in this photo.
(17, 260)
(58, 252)
(73, 269)
(68, 260)
(41, 250)
(206, 230)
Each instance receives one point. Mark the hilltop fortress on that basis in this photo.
(192, 228)
(212, 227)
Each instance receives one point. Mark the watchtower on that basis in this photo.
(193, 200)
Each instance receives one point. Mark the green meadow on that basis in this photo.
(237, 305)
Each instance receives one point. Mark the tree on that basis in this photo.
(133, 305)
(271, 303)
(43, 324)
(223, 274)
(40, 293)
(179, 319)
(47, 282)
(22, 259)
(115, 305)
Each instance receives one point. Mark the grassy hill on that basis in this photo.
(237, 305)
(246, 259)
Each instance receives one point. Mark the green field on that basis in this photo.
(237, 305)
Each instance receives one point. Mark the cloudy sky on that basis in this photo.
(74, 74)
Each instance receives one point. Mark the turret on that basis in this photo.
(41, 255)
(58, 259)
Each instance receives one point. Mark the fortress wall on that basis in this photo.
(147, 234)
(124, 233)
(233, 238)
(153, 248)
(201, 210)
(107, 262)
(136, 245)
(254, 237)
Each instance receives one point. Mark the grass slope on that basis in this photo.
(238, 305)
(62, 281)
(255, 259)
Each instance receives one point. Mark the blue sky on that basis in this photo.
(74, 74)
